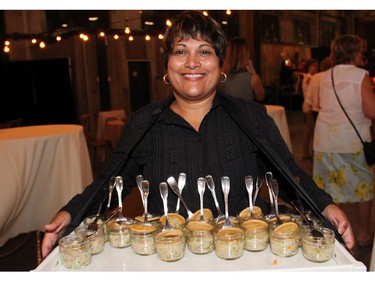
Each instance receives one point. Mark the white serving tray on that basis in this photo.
(113, 259)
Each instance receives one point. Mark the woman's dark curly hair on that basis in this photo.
(195, 25)
(345, 48)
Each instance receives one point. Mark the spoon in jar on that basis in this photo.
(174, 186)
(201, 182)
(314, 231)
(225, 184)
(211, 187)
(181, 184)
(163, 188)
(119, 187)
(145, 192)
(249, 186)
(269, 178)
(258, 185)
(275, 192)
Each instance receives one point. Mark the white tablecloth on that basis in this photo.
(279, 116)
(41, 169)
(103, 116)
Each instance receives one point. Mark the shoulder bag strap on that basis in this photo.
(346, 114)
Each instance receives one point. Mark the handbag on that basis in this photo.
(368, 147)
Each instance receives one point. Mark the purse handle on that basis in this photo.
(351, 122)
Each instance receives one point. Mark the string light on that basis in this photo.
(45, 38)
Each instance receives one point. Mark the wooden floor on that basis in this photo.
(22, 253)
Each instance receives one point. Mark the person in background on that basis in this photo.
(312, 96)
(193, 131)
(339, 164)
(242, 80)
(310, 69)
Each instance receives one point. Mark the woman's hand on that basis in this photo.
(52, 230)
(338, 218)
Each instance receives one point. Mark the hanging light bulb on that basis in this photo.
(228, 12)
(168, 22)
(131, 38)
(7, 43)
(33, 41)
(115, 36)
(127, 30)
(160, 36)
(101, 34)
(6, 49)
(42, 45)
(147, 37)
(58, 38)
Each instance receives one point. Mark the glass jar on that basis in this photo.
(119, 233)
(200, 237)
(97, 239)
(170, 244)
(318, 249)
(229, 242)
(99, 222)
(256, 234)
(272, 218)
(74, 252)
(142, 238)
(284, 238)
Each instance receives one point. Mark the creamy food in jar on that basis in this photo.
(174, 220)
(256, 234)
(142, 238)
(318, 249)
(99, 222)
(284, 239)
(119, 233)
(229, 243)
(74, 252)
(170, 245)
(245, 213)
(97, 239)
(200, 238)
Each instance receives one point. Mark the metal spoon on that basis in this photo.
(163, 188)
(314, 231)
(211, 187)
(145, 192)
(225, 185)
(110, 191)
(249, 186)
(275, 192)
(258, 185)
(269, 178)
(119, 187)
(139, 180)
(174, 186)
(181, 184)
(201, 182)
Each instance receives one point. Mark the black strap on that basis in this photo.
(350, 120)
(268, 151)
(120, 164)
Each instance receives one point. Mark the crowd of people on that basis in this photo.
(195, 131)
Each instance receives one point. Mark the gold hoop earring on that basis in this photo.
(165, 79)
(225, 77)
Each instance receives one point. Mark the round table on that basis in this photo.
(278, 115)
(41, 169)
